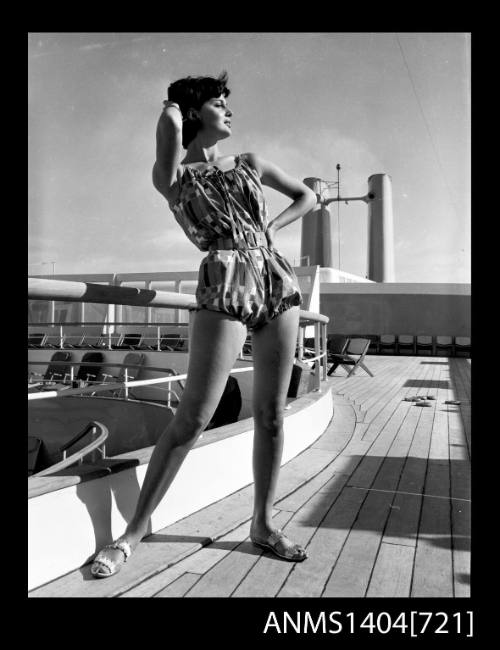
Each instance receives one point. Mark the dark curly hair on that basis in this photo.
(193, 92)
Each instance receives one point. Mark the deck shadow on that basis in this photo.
(426, 383)
(401, 498)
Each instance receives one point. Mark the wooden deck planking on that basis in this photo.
(433, 571)
(353, 568)
(356, 387)
(354, 499)
(267, 576)
(179, 587)
(197, 563)
(224, 577)
(359, 389)
(394, 398)
(460, 524)
(383, 430)
(308, 578)
(402, 525)
(393, 390)
(391, 577)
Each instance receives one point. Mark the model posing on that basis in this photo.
(244, 283)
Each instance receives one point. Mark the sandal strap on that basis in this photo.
(123, 546)
(279, 537)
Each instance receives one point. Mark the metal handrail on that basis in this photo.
(79, 455)
(43, 289)
(117, 385)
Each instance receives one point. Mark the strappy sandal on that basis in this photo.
(275, 543)
(101, 560)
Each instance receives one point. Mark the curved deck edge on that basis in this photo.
(96, 511)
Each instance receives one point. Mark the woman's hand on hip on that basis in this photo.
(270, 235)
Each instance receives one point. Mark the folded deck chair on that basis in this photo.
(37, 340)
(386, 343)
(425, 343)
(444, 346)
(73, 341)
(129, 342)
(353, 356)
(406, 342)
(462, 346)
(168, 342)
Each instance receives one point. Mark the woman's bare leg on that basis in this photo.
(273, 351)
(215, 342)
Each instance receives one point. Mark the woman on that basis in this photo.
(244, 283)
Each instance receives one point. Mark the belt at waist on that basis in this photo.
(253, 240)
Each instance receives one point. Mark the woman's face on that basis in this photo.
(216, 117)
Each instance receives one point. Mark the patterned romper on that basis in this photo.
(224, 212)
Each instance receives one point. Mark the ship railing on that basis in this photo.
(123, 385)
(95, 429)
(69, 291)
(108, 336)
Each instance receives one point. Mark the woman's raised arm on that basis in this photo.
(168, 149)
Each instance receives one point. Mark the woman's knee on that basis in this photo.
(269, 416)
(187, 427)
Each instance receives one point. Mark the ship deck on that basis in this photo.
(381, 501)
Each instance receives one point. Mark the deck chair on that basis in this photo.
(406, 342)
(37, 340)
(335, 344)
(387, 342)
(56, 371)
(130, 359)
(374, 339)
(171, 342)
(73, 341)
(444, 346)
(425, 343)
(462, 346)
(354, 355)
(247, 345)
(34, 449)
(129, 342)
(90, 374)
(168, 342)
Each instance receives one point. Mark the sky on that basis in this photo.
(394, 103)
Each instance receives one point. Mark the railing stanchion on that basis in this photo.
(158, 335)
(317, 375)
(126, 383)
(325, 352)
(61, 336)
(300, 354)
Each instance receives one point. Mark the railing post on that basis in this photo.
(158, 337)
(317, 372)
(177, 316)
(61, 336)
(300, 342)
(149, 310)
(324, 351)
(126, 383)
